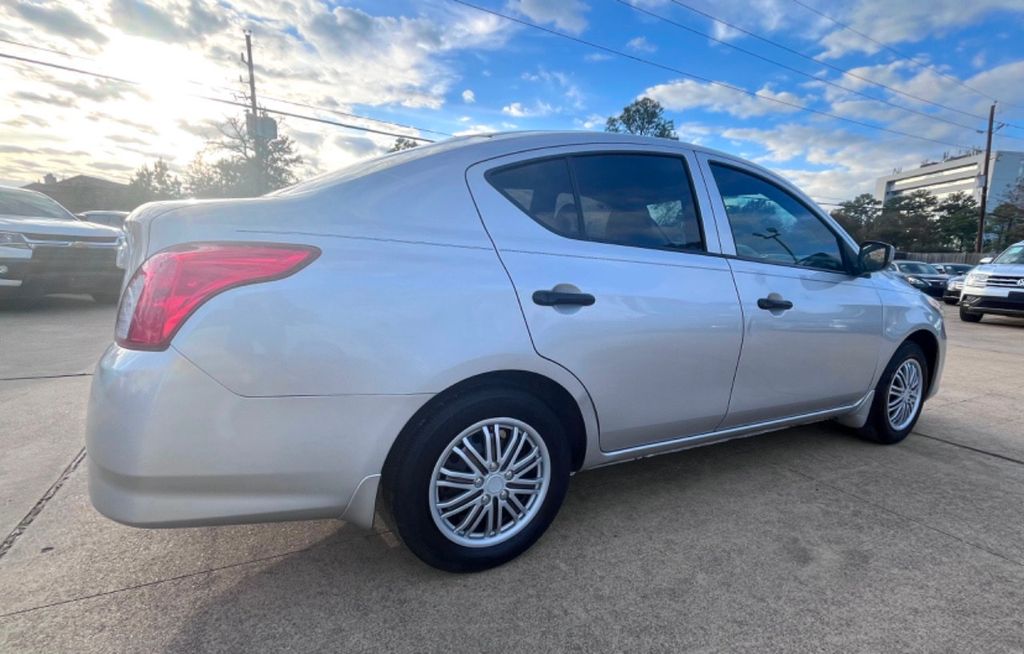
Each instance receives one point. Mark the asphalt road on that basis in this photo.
(803, 540)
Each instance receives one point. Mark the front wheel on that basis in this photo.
(899, 396)
(969, 316)
(479, 480)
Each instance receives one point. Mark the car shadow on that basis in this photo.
(619, 527)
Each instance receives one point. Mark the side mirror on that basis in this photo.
(984, 260)
(874, 256)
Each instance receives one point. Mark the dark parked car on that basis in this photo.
(922, 276)
(45, 249)
(108, 218)
(953, 269)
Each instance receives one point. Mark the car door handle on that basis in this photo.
(562, 299)
(773, 304)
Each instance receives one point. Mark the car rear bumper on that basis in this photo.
(1011, 304)
(169, 446)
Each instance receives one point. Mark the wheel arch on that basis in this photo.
(551, 392)
(928, 343)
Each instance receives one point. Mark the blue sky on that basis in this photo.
(445, 66)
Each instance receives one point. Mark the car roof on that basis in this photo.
(472, 149)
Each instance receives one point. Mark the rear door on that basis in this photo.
(812, 332)
(608, 253)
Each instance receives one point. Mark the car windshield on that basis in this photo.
(916, 268)
(1012, 254)
(29, 204)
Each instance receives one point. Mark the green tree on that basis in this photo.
(858, 216)
(229, 167)
(957, 221)
(907, 221)
(643, 117)
(156, 183)
(402, 143)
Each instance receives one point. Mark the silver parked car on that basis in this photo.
(448, 333)
(995, 286)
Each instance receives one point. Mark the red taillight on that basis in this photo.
(172, 284)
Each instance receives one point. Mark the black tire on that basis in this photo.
(878, 428)
(951, 303)
(969, 316)
(410, 466)
(106, 298)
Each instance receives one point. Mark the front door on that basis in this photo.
(811, 329)
(608, 256)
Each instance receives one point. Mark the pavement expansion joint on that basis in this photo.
(18, 530)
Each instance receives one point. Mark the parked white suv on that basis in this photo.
(461, 326)
(996, 287)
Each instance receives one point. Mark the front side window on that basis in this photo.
(639, 200)
(770, 225)
(542, 190)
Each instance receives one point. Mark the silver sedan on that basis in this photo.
(446, 334)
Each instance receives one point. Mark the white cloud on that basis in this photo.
(305, 50)
(518, 110)
(684, 94)
(568, 15)
(897, 22)
(641, 44)
(596, 56)
(468, 96)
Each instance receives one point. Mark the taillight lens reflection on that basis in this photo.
(173, 283)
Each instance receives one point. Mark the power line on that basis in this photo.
(264, 96)
(893, 50)
(278, 112)
(794, 70)
(712, 82)
(824, 63)
(838, 69)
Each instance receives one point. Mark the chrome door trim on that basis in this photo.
(597, 459)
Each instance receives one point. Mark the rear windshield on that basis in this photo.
(917, 268)
(31, 205)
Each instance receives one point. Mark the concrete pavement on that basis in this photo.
(802, 540)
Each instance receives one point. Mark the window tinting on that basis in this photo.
(768, 224)
(544, 191)
(639, 200)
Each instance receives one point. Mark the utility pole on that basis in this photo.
(252, 123)
(984, 179)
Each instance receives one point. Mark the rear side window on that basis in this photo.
(636, 199)
(543, 190)
(627, 199)
(770, 225)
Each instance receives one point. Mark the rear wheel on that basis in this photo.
(479, 480)
(899, 396)
(969, 316)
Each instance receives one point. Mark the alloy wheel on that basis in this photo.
(904, 397)
(489, 482)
